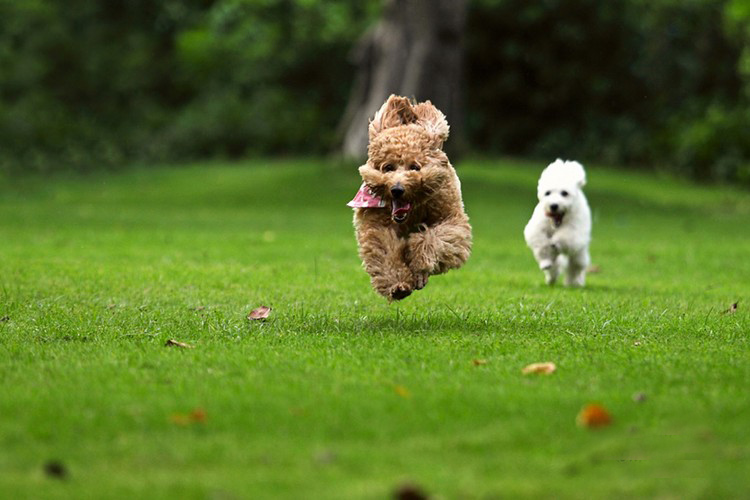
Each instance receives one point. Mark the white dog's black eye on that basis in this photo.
(414, 166)
(563, 193)
(548, 193)
(388, 168)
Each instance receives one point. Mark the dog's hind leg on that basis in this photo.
(576, 272)
(436, 249)
(382, 253)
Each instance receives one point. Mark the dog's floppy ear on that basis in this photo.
(576, 172)
(394, 112)
(433, 121)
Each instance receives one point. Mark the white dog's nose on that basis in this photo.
(553, 207)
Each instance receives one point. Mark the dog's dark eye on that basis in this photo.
(563, 193)
(414, 166)
(548, 193)
(388, 168)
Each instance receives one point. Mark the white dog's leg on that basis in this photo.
(546, 257)
(576, 275)
(550, 275)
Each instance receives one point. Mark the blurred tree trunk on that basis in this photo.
(416, 51)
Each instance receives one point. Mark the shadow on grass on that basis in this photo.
(432, 320)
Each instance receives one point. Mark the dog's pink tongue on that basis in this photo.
(400, 208)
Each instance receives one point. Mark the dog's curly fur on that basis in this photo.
(559, 231)
(423, 228)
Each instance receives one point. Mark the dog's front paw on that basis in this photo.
(546, 264)
(420, 279)
(400, 291)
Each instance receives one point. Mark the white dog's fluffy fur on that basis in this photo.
(559, 231)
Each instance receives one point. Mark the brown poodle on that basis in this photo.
(408, 214)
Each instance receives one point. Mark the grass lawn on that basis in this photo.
(339, 394)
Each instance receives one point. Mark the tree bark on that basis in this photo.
(416, 51)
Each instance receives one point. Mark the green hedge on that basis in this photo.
(101, 84)
(646, 83)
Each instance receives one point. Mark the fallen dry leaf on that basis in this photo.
(402, 391)
(636, 343)
(732, 309)
(174, 343)
(544, 368)
(594, 269)
(593, 416)
(259, 313)
(479, 362)
(198, 415)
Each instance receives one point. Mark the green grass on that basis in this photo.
(340, 395)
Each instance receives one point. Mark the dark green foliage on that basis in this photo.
(87, 84)
(620, 81)
(91, 85)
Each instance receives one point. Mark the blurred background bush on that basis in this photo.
(89, 85)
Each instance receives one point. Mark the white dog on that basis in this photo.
(559, 231)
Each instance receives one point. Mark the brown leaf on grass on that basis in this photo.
(732, 309)
(259, 313)
(174, 343)
(409, 492)
(593, 415)
(402, 391)
(479, 362)
(196, 416)
(542, 368)
(594, 269)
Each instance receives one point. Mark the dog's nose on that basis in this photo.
(397, 191)
(554, 207)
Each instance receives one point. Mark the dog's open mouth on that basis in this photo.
(557, 217)
(400, 210)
